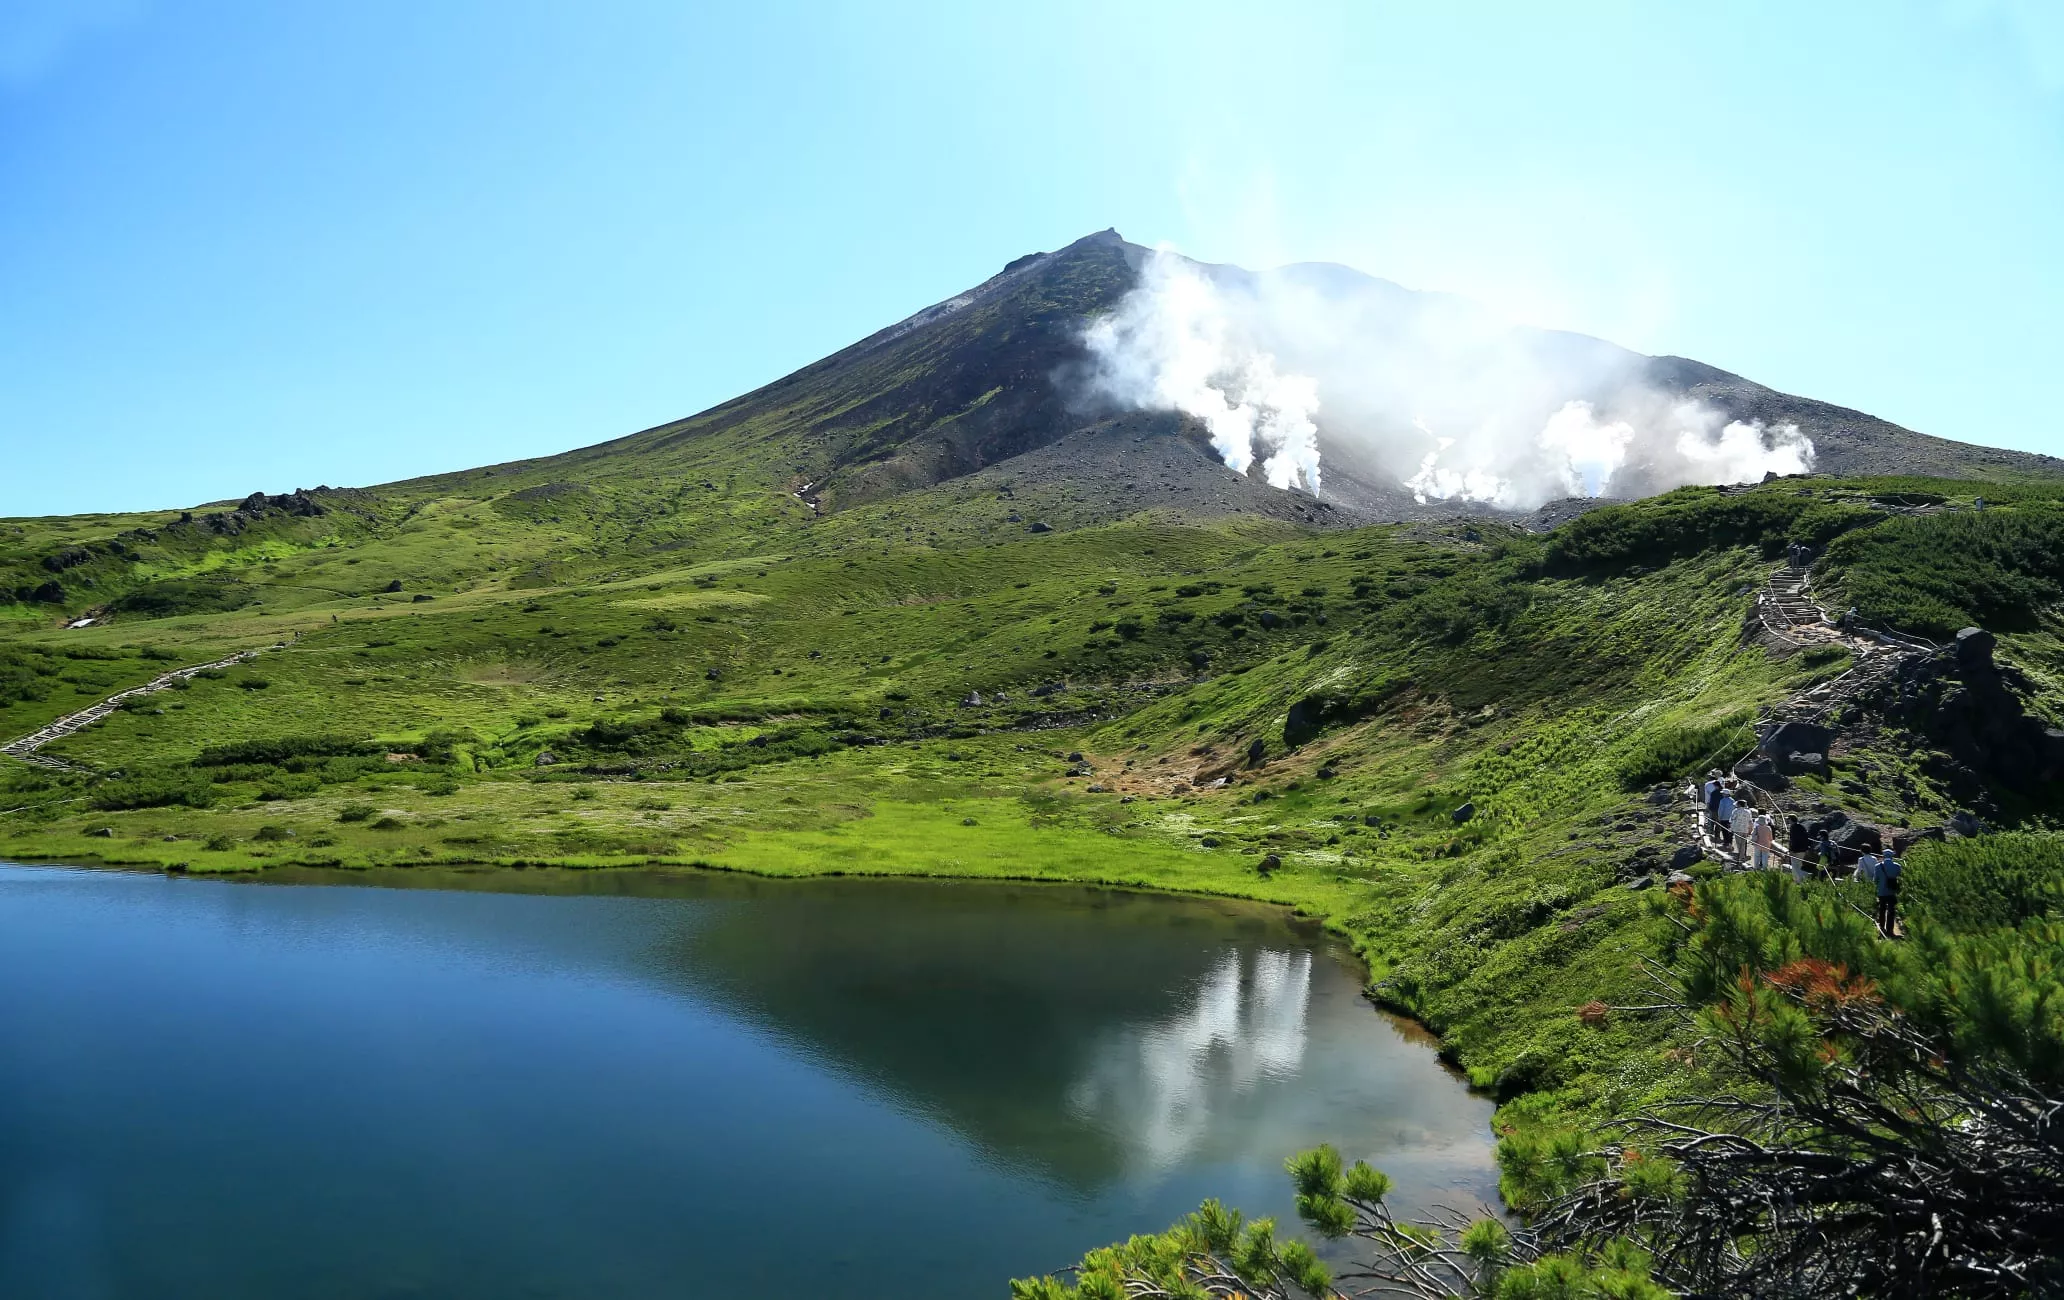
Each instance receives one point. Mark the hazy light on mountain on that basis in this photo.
(1422, 390)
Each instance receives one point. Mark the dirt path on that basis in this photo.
(25, 748)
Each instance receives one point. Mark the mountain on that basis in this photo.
(996, 380)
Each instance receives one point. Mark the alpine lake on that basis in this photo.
(548, 1083)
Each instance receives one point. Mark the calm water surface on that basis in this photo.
(601, 1084)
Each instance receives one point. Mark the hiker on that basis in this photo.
(1744, 825)
(1712, 803)
(1825, 851)
(1798, 847)
(1889, 870)
(1763, 836)
(1867, 868)
(1723, 818)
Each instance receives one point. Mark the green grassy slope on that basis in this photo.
(774, 692)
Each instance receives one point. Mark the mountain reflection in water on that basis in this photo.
(1158, 1087)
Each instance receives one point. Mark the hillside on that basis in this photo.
(979, 398)
(1158, 701)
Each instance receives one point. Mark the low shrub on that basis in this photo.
(1667, 753)
(1986, 883)
(155, 790)
(288, 787)
(356, 812)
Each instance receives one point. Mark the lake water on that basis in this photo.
(616, 1084)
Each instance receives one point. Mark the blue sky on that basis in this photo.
(254, 245)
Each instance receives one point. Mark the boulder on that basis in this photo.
(1301, 723)
(1827, 823)
(1903, 840)
(1796, 738)
(1797, 764)
(1643, 882)
(1039, 526)
(1856, 837)
(392, 586)
(1676, 878)
(1963, 823)
(972, 700)
(1257, 749)
(1758, 770)
(1463, 814)
(1268, 864)
(1075, 757)
(545, 758)
(1686, 857)
(1974, 647)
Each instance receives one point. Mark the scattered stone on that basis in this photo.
(1270, 863)
(545, 758)
(1686, 856)
(1209, 841)
(972, 700)
(1660, 796)
(1075, 756)
(102, 832)
(1966, 825)
(392, 586)
(1257, 750)
(1676, 878)
(1098, 789)
(1645, 882)
(1039, 526)
(1462, 814)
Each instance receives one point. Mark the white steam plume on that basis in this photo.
(1420, 391)
(1173, 346)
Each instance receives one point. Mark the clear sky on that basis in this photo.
(246, 244)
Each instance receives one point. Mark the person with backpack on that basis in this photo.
(1723, 819)
(1798, 847)
(1763, 837)
(1713, 791)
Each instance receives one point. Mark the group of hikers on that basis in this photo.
(1746, 834)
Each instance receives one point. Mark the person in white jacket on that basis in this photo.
(1744, 824)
